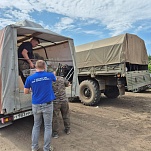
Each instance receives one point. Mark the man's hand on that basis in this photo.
(69, 84)
(54, 72)
(31, 65)
(26, 91)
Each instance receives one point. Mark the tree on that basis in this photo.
(149, 63)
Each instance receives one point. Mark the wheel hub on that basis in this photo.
(87, 92)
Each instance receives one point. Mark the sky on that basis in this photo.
(83, 20)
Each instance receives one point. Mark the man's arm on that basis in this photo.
(25, 55)
(27, 86)
(53, 76)
(26, 90)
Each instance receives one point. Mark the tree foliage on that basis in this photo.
(149, 63)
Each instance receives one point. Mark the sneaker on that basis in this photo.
(67, 131)
(35, 149)
(51, 148)
(55, 135)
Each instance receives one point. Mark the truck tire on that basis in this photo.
(111, 92)
(89, 92)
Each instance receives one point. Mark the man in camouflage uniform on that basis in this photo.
(60, 105)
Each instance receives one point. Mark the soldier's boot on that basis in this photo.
(67, 131)
(55, 135)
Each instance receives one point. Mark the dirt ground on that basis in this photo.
(123, 124)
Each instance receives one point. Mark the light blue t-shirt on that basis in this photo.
(41, 85)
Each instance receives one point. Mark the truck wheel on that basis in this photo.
(89, 92)
(111, 92)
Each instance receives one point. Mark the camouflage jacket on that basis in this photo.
(59, 88)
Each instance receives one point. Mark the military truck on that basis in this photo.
(55, 49)
(111, 66)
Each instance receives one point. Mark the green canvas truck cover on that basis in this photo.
(122, 48)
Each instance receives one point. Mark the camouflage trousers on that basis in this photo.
(24, 67)
(63, 107)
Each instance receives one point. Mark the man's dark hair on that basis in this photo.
(36, 39)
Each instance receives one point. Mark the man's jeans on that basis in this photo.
(39, 111)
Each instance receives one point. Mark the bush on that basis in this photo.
(149, 67)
